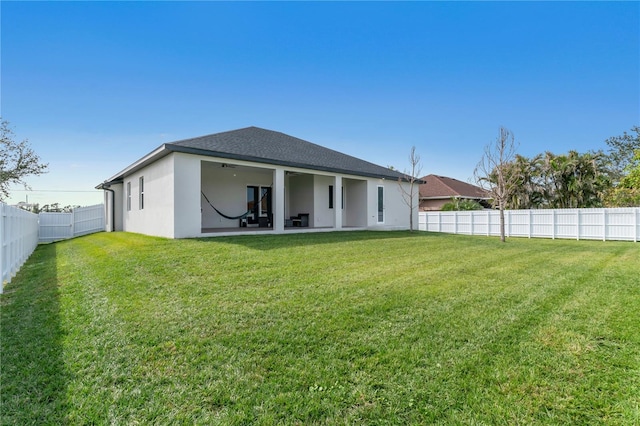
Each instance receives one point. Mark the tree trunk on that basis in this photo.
(502, 236)
(411, 205)
(411, 212)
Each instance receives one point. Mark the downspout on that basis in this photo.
(113, 207)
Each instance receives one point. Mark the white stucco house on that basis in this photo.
(252, 180)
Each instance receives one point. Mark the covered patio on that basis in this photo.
(239, 198)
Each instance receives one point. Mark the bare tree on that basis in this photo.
(410, 176)
(17, 160)
(493, 173)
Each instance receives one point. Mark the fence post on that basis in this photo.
(488, 222)
(636, 222)
(530, 222)
(604, 224)
(455, 222)
(578, 224)
(2, 237)
(472, 233)
(73, 223)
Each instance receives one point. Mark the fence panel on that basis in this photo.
(18, 239)
(481, 223)
(518, 223)
(88, 220)
(55, 226)
(590, 224)
(81, 221)
(542, 223)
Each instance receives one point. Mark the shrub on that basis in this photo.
(458, 204)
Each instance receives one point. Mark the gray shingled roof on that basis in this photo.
(267, 146)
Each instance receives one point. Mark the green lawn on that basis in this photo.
(328, 328)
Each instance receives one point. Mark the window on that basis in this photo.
(141, 205)
(330, 196)
(380, 204)
(128, 196)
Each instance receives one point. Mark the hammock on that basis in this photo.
(242, 216)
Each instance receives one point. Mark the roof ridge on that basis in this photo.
(211, 134)
(266, 145)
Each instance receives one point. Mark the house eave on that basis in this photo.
(168, 148)
(153, 156)
(275, 162)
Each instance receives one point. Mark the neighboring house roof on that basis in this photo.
(266, 146)
(446, 187)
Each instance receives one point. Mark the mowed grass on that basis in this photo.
(329, 328)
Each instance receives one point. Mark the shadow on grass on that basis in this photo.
(33, 382)
(272, 242)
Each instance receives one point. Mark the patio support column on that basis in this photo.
(278, 200)
(338, 207)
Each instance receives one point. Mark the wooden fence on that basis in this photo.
(18, 239)
(579, 224)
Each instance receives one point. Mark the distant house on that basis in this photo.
(248, 181)
(438, 190)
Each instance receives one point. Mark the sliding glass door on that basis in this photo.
(259, 201)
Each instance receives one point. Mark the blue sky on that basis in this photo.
(96, 85)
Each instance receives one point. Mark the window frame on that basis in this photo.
(331, 197)
(380, 204)
(129, 196)
(141, 193)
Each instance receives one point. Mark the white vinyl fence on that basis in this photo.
(81, 221)
(18, 239)
(579, 224)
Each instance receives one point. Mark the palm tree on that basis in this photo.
(528, 192)
(575, 180)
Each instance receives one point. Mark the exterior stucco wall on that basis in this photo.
(279, 182)
(166, 212)
(430, 205)
(301, 196)
(396, 211)
(355, 203)
(156, 218)
(187, 209)
(323, 215)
